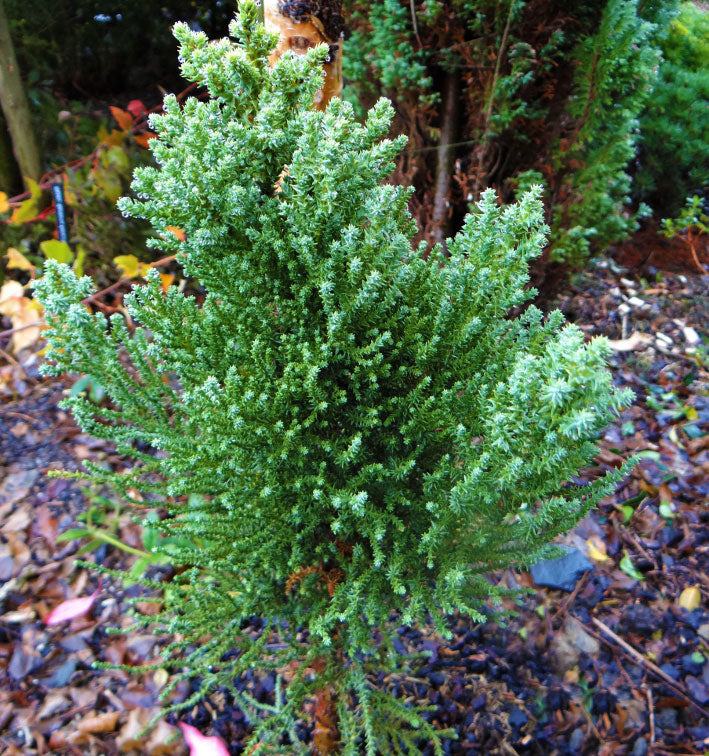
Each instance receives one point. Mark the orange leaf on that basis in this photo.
(177, 232)
(167, 279)
(123, 118)
(144, 139)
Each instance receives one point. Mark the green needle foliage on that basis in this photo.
(547, 91)
(611, 86)
(348, 434)
(674, 159)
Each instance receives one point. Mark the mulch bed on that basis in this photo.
(618, 666)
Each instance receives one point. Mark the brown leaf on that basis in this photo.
(16, 486)
(17, 521)
(44, 524)
(53, 703)
(105, 722)
(127, 739)
(158, 745)
(634, 342)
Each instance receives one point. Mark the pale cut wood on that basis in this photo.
(305, 24)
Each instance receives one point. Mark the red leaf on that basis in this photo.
(67, 610)
(135, 108)
(201, 745)
(123, 118)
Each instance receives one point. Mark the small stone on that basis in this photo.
(22, 663)
(691, 666)
(636, 302)
(703, 631)
(570, 643)
(666, 719)
(603, 702)
(62, 674)
(690, 336)
(517, 718)
(671, 671)
(697, 689)
(670, 536)
(640, 747)
(557, 699)
(576, 740)
(479, 702)
(562, 573)
(639, 619)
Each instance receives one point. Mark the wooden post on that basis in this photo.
(15, 107)
(302, 24)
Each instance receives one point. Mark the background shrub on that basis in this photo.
(674, 155)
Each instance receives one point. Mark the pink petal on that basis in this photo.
(67, 610)
(201, 745)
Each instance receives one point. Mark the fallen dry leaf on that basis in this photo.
(67, 610)
(634, 342)
(597, 549)
(690, 598)
(22, 312)
(201, 745)
(105, 722)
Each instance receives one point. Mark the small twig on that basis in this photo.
(498, 63)
(108, 289)
(12, 360)
(10, 331)
(651, 710)
(700, 267)
(637, 656)
(94, 297)
(570, 600)
(591, 724)
(21, 415)
(413, 19)
(630, 538)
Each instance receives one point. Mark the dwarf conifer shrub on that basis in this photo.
(674, 157)
(348, 434)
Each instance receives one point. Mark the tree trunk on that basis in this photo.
(15, 107)
(444, 163)
(302, 24)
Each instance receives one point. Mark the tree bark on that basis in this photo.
(444, 162)
(15, 107)
(302, 24)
